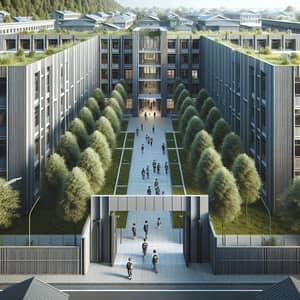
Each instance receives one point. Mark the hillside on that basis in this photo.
(41, 9)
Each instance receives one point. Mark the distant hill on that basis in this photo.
(41, 9)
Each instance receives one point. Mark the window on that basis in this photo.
(263, 85)
(195, 44)
(37, 176)
(297, 148)
(171, 58)
(195, 89)
(37, 118)
(25, 44)
(263, 118)
(128, 74)
(104, 44)
(129, 88)
(48, 110)
(170, 104)
(47, 139)
(251, 139)
(104, 88)
(150, 72)
(39, 44)
(171, 74)
(10, 44)
(251, 81)
(184, 59)
(184, 74)
(115, 59)
(115, 74)
(170, 88)
(149, 58)
(36, 149)
(104, 74)
(129, 104)
(194, 74)
(2, 118)
(290, 44)
(195, 59)
(128, 44)
(48, 80)
(184, 44)
(104, 59)
(37, 85)
(2, 149)
(128, 59)
(150, 87)
(297, 89)
(263, 149)
(52, 42)
(116, 44)
(171, 44)
(61, 78)
(276, 44)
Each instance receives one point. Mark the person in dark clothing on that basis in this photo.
(166, 167)
(142, 127)
(149, 192)
(154, 166)
(158, 168)
(145, 247)
(163, 148)
(137, 132)
(133, 230)
(147, 172)
(129, 267)
(143, 172)
(158, 222)
(153, 128)
(142, 148)
(151, 141)
(155, 261)
(146, 229)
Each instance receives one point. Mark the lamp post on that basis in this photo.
(29, 220)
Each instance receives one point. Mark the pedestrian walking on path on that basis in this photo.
(158, 223)
(163, 148)
(149, 190)
(153, 129)
(155, 182)
(143, 173)
(137, 132)
(157, 190)
(151, 141)
(142, 126)
(147, 172)
(155, 261)
(133, 230)
(145, 116)
(142, 148)
(147, 137)
(154, 166)
(145, 247)
(129, 267)
(158, 168)
(146, 229)
(154, 115)
(166, 168)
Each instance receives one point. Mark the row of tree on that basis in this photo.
(215, 155)
(84, 154)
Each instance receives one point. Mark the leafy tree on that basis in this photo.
(231, 148)
(247, 179)
(69, 149)
(55, 178)
(103, 125)
(87, 118)
(186, 102)
(112, 102)
(78, 190)
(201, 141)
(292, 197)
(92, 166)
(123, 82)
(99, 143)
(186, 116)
(122, 91)
(194, 125)
(206, 107)
(219, 132)
(110, 114)
(208, 163)
(78, 129)
(224, 196)
(184, 93)
(93, 106)
(180, 87)
(213, 116)
(99, 96)
(201, 97)
(9, 204)
(115, 94)
(177, 82)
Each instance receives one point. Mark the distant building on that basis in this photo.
(287, 289)
(217, 23)
(31, 26)
(248, 19)
(281, 25)
(176, 22)
(110, 27)
(65, 15)
(103, 15)
(123, 21)
(3, 13)
(94, 18)
(21, 19)
(149, 21)
(32, 288)
(77, 24)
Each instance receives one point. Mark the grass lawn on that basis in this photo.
(175, 174)
(124, 125)
(120, 140)
(121, 219)
(170, 140)
(177, 219)
(121, 190)
(172, 156)
(175, 124)
(177, 190)
(129, 140)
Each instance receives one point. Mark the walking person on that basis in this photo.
(158, 223)
(158, 168)
(157, 190)
(145, 116)
(163, 148)
(143, 173)
(147, 172)
(166, 168)
(153, 129)
(151, 141)
(154, 115)
(129, 267)
(155, 261)
(155, 182)
(149, 192)
(146, 229)
(145, 247)
(154, 166)
(133, 229)
(142, 126)
(142, 148)
(137, 132)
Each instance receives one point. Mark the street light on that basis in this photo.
(29, 219)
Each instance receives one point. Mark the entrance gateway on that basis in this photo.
(104, 229)
(150, 105)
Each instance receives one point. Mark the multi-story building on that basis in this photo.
(30, 26)
(281, 25)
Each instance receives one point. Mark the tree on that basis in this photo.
(110, 114)
(186, 102)
(103, 125)
(93, 106)
(231, 148)
(247, 179)
(194, 125)
(99, 96)
(77, 192)
(55, 178)
(184, 93)
(224, 197)
(201, 97)
(87, 118)
(78, 129)
(213, 116)
(123, 82)
(292, 197)
(112, 102)
(69, 149)
(201, 141)
(186, 116)
(9, 204)
(121, 89)
(92, 166)
(209, 162)
(206, 107)
(219, 132)
(99, 143)
(180, 87)
(115, 94)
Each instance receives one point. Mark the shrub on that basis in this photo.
(208, 163)
(112, 102)
(78, 129)
(115, 94)
(103, 125)
(20, 52)
(110, 114)
(123, 82)
(231, 148)
(99, 96)
(206, 107)
(292, 197)
(220, 130)
(91, 165)
(201, 141)
(99, 143)
(201, 97)
(194, 125)
(120, 88)
(87, 118)
(69, 149)
(186, 102)
(186, 116)
(224, 197)
(180, 87)
(93, 106)
(184, 93)
(213, 116)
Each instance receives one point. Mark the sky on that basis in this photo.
(210, 3)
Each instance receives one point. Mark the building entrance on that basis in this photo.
(150, 106)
